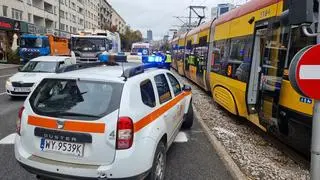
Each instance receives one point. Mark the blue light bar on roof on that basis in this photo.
(152, 59)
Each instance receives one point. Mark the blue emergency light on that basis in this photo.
(153, 59)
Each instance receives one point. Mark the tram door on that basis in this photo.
(269, 56)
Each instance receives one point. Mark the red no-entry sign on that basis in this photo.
(304, 72)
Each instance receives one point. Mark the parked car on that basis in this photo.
(34, 71)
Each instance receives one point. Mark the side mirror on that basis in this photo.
(186, 88)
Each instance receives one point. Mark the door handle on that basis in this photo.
(166, 114)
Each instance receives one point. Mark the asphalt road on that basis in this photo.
(192, 158)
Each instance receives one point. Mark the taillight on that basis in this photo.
(124, 133)
(18, 128)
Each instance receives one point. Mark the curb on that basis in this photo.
(231, 166)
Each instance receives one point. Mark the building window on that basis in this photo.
(61, 14)
(62, 27)
(62, 1)
(5, 11)
(66, 15)
(29, 17)
(73, 6)
(16, 14)
(67, 28)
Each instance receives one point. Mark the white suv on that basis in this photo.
(102, 122)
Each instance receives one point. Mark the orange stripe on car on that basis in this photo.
(157, 113)
(68, 125)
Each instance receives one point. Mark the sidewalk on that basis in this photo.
(6, 66)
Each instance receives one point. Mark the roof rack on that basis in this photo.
(130, 72)
(75, 67)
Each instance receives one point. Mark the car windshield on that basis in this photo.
(76, 99)
(31, 43)
(89, 44)
(40, 66)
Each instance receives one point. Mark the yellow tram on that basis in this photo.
(242, 58)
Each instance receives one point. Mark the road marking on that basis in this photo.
(7, 75)
(310, 72)
(181, 138)
(3, 93)
(9, 139)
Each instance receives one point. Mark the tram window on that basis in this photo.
(221, 65)
(189, 44)
(241, 49)
(203, 41)
(215, 64)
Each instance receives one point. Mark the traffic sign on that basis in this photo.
(304, 72)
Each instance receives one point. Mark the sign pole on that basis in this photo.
(315, 146)
(315, 142)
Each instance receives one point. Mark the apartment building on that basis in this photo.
(91, 14)
(118, 22)
(69, 16)
(105, 15)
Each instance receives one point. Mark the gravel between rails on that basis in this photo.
(256, 157)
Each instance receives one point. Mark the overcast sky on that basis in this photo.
(157, 15)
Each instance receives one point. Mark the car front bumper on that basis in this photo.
(10, 91)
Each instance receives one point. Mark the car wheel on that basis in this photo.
(159, 163)
(188, 118)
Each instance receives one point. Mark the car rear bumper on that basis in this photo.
(47, 174)
(134, 163)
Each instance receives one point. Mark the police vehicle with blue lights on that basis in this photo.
(102, 121)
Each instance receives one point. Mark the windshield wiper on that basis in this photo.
(76, 114)
(40, 71)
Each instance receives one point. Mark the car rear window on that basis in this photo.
(76, 99)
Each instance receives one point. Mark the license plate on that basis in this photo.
(21, 89)
(68, 148)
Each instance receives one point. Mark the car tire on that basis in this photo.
(159, 163)
(188, 118)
